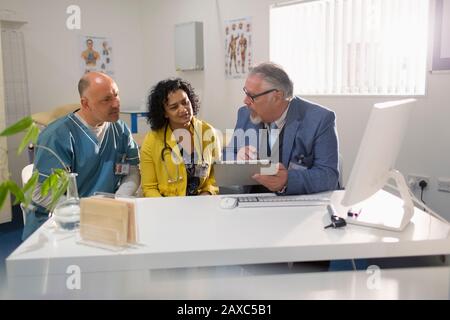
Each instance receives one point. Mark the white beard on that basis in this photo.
(255, 119)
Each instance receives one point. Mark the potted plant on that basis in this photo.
(57, 182)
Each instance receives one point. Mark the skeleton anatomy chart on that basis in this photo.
(238, 47)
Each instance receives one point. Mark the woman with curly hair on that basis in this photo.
(178, 153)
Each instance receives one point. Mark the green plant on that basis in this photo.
(56, 183)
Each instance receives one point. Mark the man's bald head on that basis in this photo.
(99, 98)
(88, 78)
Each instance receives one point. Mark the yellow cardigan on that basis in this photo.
(155, 174)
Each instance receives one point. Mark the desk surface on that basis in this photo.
(194, 232)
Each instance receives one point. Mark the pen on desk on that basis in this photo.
(336, 221)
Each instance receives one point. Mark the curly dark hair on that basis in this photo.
(158, 98)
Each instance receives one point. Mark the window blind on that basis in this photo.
(17, 103)
(352, 47)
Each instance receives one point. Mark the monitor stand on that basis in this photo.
(384, 210)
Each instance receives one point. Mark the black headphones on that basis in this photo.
(336, 222)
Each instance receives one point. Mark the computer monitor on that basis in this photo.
(374, 166)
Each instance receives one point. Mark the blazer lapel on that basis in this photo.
(292, 126)
(290, 131)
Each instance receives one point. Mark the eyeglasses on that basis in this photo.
(254, 96)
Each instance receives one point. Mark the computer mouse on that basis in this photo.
(228, 203)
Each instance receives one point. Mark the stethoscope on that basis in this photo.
(167, 148)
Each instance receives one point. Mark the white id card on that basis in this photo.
(122, 169)
(201, 170)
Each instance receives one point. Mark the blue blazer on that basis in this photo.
(309, 146)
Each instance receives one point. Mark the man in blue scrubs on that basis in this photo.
(92, 142)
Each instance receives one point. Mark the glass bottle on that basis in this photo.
(67, 213)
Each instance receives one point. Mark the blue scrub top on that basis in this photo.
(79, 149)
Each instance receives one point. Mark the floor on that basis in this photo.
(10, 239)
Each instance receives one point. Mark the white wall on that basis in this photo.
(220, 97)
(53, 52)
(426, 149)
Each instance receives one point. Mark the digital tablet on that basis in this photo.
(239, 173)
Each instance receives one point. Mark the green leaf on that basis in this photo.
(16, 191)
(31, 182)
(3, 193)
(55, 182)
(31, 136)
(17, 127)
(30, 185)
(58, 193)
(61, 173)
(45, 188)
(59, 187)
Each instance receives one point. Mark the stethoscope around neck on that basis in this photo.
(167, 148)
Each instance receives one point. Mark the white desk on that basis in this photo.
(239, 282)
(194, 232)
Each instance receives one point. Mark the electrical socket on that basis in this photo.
(414, 179)
(444, 184)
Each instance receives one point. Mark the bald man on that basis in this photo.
(92, 142)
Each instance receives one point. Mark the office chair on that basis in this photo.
(43, 119)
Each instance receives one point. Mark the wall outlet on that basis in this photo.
(414, 179)
(444, 184)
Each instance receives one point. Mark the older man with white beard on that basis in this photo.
(297, 135)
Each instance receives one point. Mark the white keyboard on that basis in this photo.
(282, 201)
